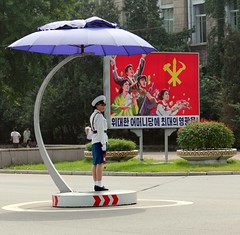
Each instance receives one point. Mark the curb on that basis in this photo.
(2, 171)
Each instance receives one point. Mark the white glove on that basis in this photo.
(104, 147)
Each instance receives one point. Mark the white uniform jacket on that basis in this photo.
(99, 125)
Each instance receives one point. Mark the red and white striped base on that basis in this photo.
(94, 199)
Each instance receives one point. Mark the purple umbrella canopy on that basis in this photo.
(93, 35)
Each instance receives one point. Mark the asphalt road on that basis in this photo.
(173, 205)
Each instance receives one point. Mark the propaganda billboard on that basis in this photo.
(158, 90)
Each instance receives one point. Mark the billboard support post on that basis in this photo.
(167, 133)
(139, 134)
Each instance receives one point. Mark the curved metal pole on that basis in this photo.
(58, 180)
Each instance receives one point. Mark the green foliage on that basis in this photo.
(21, 72)
(222, 67)
(210, 6)
(106, 10)
(205, 135)
(117, 145)
(216, 9)
(210, 97)
(230, 111)
(177, 41)
(143, 19)
(66, 102)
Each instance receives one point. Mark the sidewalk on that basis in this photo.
(171, 155)
(160, 155)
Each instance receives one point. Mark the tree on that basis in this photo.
(143, 19)
(66, 105)
(104, 9)
(21, 72)
(211, 82)
(210, 97)
(78, 83)
(216, 9)
(107, 10)
(230, 105)
(223, 58)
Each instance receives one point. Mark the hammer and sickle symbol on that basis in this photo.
(174, 72)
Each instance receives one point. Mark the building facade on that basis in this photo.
(190, 14)
(187, 14)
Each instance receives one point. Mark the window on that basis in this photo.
(167, 14)
(232, 14)
(198, 22)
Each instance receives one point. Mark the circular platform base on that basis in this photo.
(94, 199)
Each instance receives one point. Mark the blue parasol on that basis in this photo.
(93, 35)
(76, 38)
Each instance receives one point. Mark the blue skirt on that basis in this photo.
(97, 153)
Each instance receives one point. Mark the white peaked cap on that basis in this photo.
(97, 99)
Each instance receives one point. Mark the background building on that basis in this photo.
(190, 14)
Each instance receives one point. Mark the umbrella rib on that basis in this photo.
(126, 51)
(82, 49)
(53, 48)
(29, 48)
(103, 50)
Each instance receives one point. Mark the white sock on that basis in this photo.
(98, 183)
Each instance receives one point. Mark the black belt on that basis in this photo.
(95, 132)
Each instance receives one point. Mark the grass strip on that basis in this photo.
(134, 165)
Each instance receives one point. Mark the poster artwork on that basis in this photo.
(158, 90)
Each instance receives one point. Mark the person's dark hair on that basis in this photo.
(161, 94)
(99, 102)
(121, 84)
(140, 77)
(127, 67)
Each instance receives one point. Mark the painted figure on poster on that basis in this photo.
(163, 107)
(146, 101)
(130, 74)
(125, 104)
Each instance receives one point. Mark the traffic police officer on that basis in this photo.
(99, 140)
